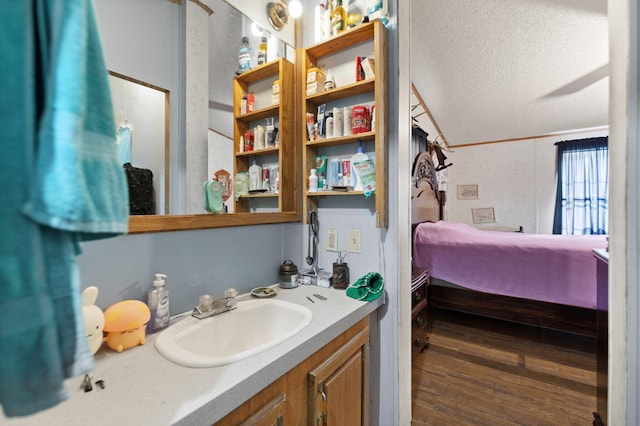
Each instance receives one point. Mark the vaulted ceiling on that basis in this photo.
(503, 69)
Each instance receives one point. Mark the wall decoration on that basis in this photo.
(484, 215)
(468, 192)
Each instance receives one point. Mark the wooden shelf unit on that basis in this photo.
(282, 70)
(378, 86)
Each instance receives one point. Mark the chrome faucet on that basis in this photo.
(208, 307)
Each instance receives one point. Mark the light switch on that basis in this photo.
(332, 240)
(353, 243)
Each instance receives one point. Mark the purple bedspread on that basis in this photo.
(553, 268)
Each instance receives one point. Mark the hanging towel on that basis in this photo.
(369, 287)
(62, 184)
(123, 138)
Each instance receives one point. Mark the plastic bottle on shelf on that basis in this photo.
(318, 23)
(255, 176)
(346, 121)
(262, 51)
(338, 19)
(356, 181)
(377, 9)
(329, 83)
(373, 118)
(313, 181)
(338, 127)
(326, 21)
(329, 126)
(244, 56)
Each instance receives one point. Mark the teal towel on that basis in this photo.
(369, 287)
(62, 184)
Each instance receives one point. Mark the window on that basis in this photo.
(582, 187)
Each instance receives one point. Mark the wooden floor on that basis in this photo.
(485, 372)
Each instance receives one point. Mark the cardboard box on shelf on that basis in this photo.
(313, 88)
(368, 66)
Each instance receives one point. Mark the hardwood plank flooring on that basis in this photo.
(479, 371)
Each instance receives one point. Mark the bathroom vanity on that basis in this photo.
(287, 384)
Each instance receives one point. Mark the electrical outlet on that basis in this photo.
(332, 240)
(353, 243)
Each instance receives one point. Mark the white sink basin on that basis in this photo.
(254, 326)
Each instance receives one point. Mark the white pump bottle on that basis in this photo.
(159, 305)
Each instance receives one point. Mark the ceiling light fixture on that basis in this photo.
(295, 9)
(277, 15)
(278, 12)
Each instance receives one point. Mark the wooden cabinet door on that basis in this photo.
(340, 408)
(338, 388)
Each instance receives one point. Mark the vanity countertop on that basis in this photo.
(142, 387)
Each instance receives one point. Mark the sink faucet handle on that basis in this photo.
(230, 292)
(205, 303)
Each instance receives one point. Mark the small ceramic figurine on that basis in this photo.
(125, 324)
(93, 318)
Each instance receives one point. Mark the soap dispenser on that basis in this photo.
(159, 305)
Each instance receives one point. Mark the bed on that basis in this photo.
(542, 280)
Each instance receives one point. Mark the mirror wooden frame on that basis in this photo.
(162, 223)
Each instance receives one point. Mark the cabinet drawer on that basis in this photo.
(419, 294)
(419, 337)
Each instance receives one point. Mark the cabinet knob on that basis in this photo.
(417, 296)
(419, 321)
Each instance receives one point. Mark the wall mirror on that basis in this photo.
(146, 42)
(141, 113)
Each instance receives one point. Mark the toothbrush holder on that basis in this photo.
(340, 275)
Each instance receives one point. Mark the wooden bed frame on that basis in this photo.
(572, 319)
(427, 205)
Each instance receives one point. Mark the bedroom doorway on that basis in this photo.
(500, 133)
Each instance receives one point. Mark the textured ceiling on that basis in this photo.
(501, 69)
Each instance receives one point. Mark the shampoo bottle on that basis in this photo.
(158, 305)
(255, 176)
(356, 181)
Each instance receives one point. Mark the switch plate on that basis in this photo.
(332, 240)
(353, 243)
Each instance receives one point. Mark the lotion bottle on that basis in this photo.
(356, 181)
(158, 305)
(313, 181)
(255, 176)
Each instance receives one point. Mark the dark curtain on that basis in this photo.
(582, 187)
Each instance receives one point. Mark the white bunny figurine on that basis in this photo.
(93, 318)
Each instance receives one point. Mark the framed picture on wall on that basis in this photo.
(468, 192)
(483, 215)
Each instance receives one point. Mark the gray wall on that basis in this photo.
(195, 262)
